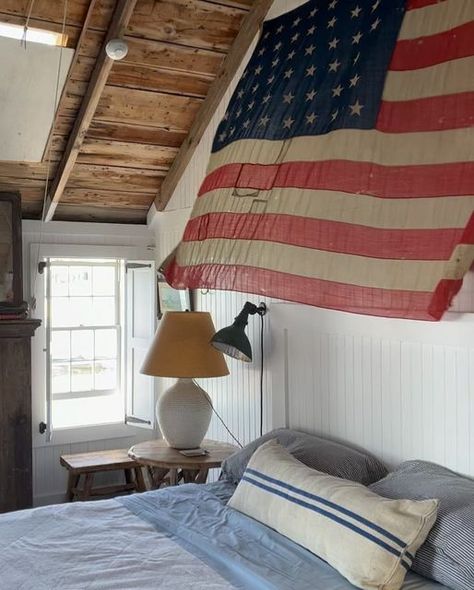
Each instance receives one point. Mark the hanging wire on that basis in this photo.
(27, 22)
(261, 375)
(50, 146)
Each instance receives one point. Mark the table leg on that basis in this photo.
(201, 477)
(86, 492)
(139, 480)
(173, 475)
(72, 483)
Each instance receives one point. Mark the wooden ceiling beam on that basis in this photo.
(120, 19)
(248, 30)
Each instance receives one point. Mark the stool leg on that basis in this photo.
(128, 475)
(72, 482)
(86, 492)
(140, 481)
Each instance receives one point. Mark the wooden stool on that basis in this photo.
(88, 464)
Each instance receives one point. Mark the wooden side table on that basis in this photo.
(169, 466)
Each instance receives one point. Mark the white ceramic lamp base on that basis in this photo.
(184, 412)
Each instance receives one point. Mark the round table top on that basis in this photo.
(157, 453)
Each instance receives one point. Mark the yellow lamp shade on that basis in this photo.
(181, 347)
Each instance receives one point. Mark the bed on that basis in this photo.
(184, 537)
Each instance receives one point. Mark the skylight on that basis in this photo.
(32, 35)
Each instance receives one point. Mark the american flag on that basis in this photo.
(341, 175)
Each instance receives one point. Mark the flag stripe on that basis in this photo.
(436, 18)
(437, 113)
(415, 4)
(401, 182)
(331, 236)
(451, 77)
(411, 275)
(416, 305)
(424, 213)
(413, 54)
(368, 145)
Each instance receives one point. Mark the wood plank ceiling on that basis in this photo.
(146, 109)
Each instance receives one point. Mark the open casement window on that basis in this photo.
(99, 319)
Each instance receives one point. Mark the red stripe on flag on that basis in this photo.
(330, 236)
(414, 4)
(435, 113)
(399, 182)
(413, 54)
(328, 294)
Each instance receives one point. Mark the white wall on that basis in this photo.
(49, 478)
(403, 395)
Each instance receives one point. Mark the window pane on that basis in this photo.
(105, 344)
(82, 345)
(61, 313)
(60, 378)
(60, 346)
(59, 280)
(105, 375)
(103, 280)
(103, 311)
(80, 280)
(81, 377)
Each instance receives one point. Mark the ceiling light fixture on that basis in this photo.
(116, 49)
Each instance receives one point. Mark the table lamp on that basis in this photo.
(181, 348)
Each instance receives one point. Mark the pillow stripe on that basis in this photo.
(336, 507)
(325, 513)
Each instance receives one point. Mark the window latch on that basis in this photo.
(42, 427)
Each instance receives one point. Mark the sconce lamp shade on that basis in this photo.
(233, 342)
(181, 347)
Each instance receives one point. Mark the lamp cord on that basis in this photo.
(261, 375)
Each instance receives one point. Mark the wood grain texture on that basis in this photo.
(246, 36)
(121, 16)
(126, 154)
(15, 414)
(115, 178)
(91, 213)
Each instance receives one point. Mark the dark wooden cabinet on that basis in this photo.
(16, 478)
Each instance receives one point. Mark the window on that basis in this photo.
(84, 331)
(32, 35)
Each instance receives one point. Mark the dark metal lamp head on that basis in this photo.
(233, 340)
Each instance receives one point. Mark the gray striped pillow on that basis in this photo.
(447, 556)
(316, 452)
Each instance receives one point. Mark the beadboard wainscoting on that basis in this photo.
(400, 389)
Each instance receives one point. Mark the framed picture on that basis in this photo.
(11, 287)
(170, 299)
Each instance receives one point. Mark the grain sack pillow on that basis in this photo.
(314, 451)
(447, 556)
(370, 540)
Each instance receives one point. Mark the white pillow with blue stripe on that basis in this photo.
(370, 540)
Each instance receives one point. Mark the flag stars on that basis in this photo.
(222, 136)
(332, 5)
(310, 50)
(261, 51)
(258, 69)
(266, 98)
(311, 30)
(255, 88)
(337, 91)
(356, 38)
(246, 124)
(280, 29)
(275, 62)
(332, 23)
(334, 115)
(333, 43)
(354, 80)
(232, 131)
(310, 95)
(289, 73)
(250, 105)
(313, 12)
(310, 71)
(311, 118)
(334, 66)
(240, 93)
(295, 37)
(356, 108)
(355, 13)
(278, 46)
(288, 98)
(296, 22)
(267, 34)
(264, 121)
(356, 58)
(238, 113)
(270, 80)
(375, 24)
(226, 116)
(375, 5)
(288, 122)
(291, 55)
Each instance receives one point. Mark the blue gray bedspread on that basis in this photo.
(248, 554)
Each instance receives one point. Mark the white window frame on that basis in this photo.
(39, 349)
